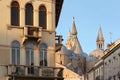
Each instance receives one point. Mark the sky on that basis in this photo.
(89, 16)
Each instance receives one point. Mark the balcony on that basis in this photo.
(58, 44)
(20, 72)
(32, 33)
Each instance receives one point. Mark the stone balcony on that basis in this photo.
(20, 72)
(32, 33)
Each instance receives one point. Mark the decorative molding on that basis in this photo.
(1, 45)
(11, 26)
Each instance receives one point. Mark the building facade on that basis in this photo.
(28, 39)
(108, 67)
(112, 61)
(97, 71)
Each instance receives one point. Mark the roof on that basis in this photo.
(100, 35)
(113, 47)
(64, 51)
(58, 8)
(74, 31)
(76, 47)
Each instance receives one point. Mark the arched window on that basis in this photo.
(28, 14)
(42, 17)
(15, 46)
(15, 13)
(43, 54)
(29, 49)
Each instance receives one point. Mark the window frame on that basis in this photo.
(43, 54)
(42, 19)
(29, 14)
(15, 56)
(15, 13)
(29, 53)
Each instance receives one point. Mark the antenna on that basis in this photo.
(110, 37)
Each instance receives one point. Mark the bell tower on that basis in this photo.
(100, 40)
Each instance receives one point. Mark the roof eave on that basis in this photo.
(59, 4)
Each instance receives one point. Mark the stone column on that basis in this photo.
(35, 20)
(22, 16)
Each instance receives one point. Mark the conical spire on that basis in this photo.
(100, 39)
(68, 42)
(74, 31)
(100, 35)
(69, 33)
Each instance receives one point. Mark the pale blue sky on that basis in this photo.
(89, 15)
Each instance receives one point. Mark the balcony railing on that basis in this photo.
(35, 71)
(32, 33)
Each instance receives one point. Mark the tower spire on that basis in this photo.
(68, 44)
(100, 39)
(74, 31)
(69, 33)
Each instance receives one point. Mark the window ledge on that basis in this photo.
(12, 26)
(45, 30)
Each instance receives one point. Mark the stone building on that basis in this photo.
(27, 39)
(71, 57)
(112, 61)
(97, 71)
(108, 67)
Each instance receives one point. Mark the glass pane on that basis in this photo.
(15, 13)
(43, 46)
(32, 56)
(45, 54)
(41, 55)
(13, 56)
(29, 14)
(15, 44)
(18, 56)
(27, 57)
(42, 17)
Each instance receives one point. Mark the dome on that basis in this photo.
(92, 58)
(98, 53)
